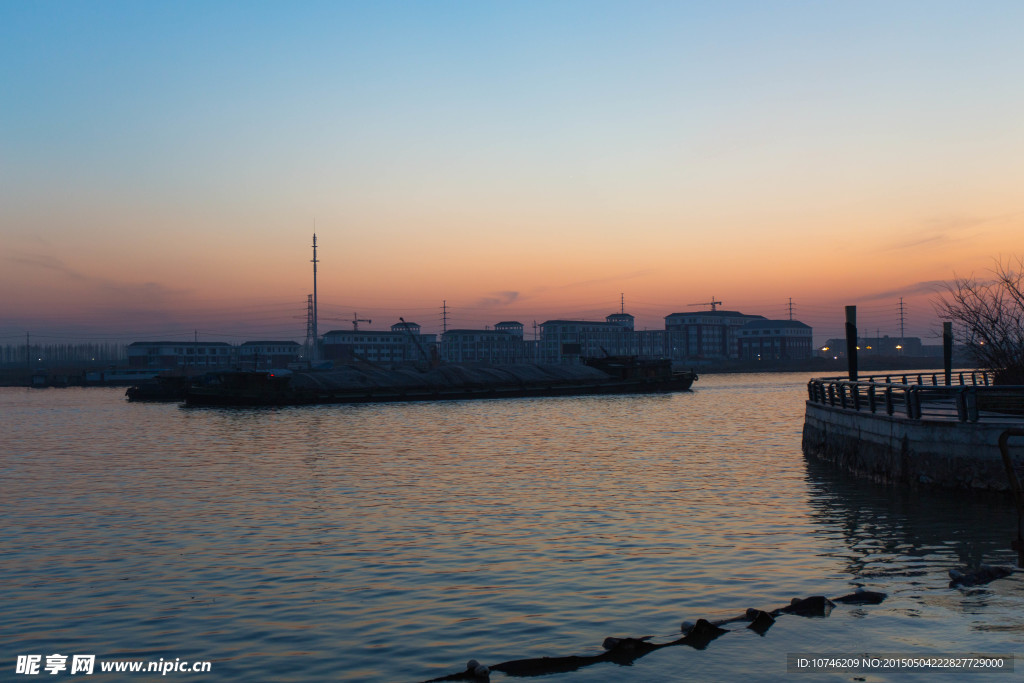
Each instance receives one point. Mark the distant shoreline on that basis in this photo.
(826, 366)
(72, 375)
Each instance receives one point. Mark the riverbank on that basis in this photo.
(76, 374)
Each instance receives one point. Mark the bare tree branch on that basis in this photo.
(992, 314)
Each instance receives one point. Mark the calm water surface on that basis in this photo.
(394, 542)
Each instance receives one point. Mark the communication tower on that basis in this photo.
(316, 334)
(310, 327)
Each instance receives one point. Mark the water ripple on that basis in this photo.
(393, 542)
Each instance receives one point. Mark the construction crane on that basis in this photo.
(419, 346)
(714, 304)
(356, 320)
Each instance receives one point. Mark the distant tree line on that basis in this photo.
(57, 354)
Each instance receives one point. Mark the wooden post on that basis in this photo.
(851, 341)
(947, 351)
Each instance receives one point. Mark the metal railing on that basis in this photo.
(970, 397)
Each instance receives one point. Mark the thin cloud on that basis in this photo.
(149, 292)
(47, 263)
(498, 299)
(913, 244)
(598, 281)
(946, 230)
(923, 287)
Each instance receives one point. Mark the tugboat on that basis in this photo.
(244, 388)
(657, 372)
(160, 388)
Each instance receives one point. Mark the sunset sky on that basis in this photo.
(163, 164)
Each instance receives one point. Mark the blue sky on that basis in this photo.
(162, 164)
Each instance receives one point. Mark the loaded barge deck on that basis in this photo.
(364, 383)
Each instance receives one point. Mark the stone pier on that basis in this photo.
(944, 444)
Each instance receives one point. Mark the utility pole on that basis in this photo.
(316, 334)
(901, 322)
(790, 308)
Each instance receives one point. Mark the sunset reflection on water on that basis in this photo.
(394, 542)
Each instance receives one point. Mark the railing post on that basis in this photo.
(947, 350)
(842, 395)
(871, 398)
(971, 404)
(832, 395)
(889, 407)
(913, 403)
(961, 405)
(855, 388)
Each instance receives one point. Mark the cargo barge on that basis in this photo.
(365, 383)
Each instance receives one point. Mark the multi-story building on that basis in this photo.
(568, 341)
(418, 346)
(705, 335)
(693, 337)
(513, 327)
(774, 340)
(652, 344)
(268, 354)
(401, 344)
(170, 355)
(501, 346)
